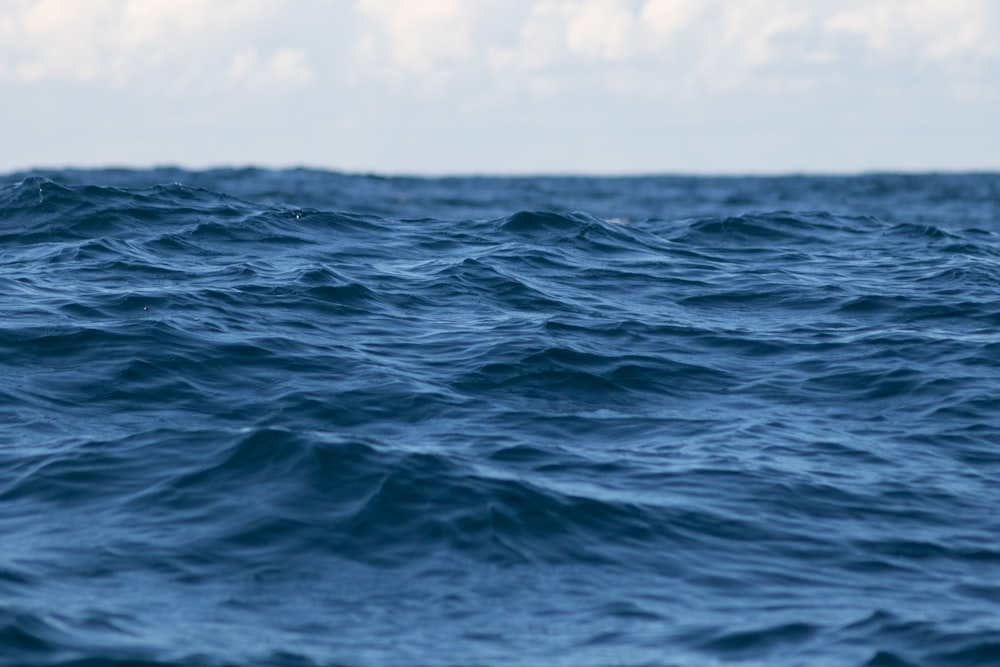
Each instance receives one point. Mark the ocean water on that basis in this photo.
(302, 418)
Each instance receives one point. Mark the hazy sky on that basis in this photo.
(432, 86)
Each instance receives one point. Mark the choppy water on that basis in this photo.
(260, 417)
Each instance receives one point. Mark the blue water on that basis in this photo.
(254, 417)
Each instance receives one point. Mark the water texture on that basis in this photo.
(302, 418)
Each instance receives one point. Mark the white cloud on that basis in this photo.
(938, 30)
(540, 39)
(716, 34)
(654, 45)
(747, 38)
(115, 40)
(416, 36)
(662, 18)
(603, 30)
(286, 68)
(702, 44)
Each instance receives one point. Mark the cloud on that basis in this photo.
(518, 46)
(654, 46)
(286, 68)
(602, 30)
(718, 44)
(116, 40)
(750, 37)
(938, 30)
(402, 37)
(662, 18)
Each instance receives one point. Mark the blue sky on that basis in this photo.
(520, 86)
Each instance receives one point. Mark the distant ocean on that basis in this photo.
(302, 418)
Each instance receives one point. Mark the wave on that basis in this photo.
(501, 421)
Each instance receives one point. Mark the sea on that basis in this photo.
(305, 418)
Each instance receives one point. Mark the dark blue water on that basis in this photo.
(299, 418)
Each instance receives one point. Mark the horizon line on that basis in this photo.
(474, 173)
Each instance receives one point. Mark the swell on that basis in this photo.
(253, 413)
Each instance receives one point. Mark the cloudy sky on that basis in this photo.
(518, 86)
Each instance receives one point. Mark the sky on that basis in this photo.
(511, 87)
